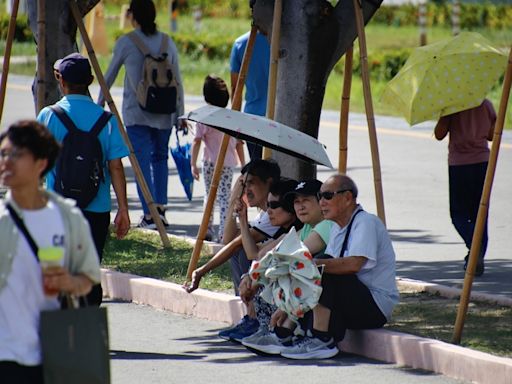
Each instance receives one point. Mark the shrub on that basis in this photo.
(22, 30)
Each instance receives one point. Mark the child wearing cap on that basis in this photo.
(216, 93)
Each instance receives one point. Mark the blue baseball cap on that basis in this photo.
(74, 68)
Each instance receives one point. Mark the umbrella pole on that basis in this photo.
(212, 193)
(377, 180)
(483, 210)
(274, 61)
(345, 106)
(41, 54)
(108, 97)
(7, 54)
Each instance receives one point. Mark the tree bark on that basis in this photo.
(314, 36)
(60, 39)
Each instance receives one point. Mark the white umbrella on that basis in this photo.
(260, 130)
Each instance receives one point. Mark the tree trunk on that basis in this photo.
(60, 39)
(314, 36)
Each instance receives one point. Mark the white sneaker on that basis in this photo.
(267, 342)
(311, 348)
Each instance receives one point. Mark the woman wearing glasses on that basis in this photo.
(281, 214)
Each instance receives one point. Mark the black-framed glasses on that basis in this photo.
(274, 204)
(13, 155)
(327, 195)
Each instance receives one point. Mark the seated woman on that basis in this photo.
(315, 235)
(281, 213)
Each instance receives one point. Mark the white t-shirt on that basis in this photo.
(261, 223)
(22, 299)
(369, 238)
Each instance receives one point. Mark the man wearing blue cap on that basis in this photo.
(74, 76)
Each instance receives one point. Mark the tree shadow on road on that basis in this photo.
(496, 278)
(135, 355)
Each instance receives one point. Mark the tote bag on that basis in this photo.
(75, 346)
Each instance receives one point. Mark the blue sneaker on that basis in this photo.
(244, 328)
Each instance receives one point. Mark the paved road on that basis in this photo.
(151, 346)
(415, 184)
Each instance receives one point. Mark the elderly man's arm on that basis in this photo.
(342, 265)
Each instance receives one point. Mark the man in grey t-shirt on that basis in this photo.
(358, 281)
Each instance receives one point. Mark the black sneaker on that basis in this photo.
(161, 212)
(480, 266)
(146, 223)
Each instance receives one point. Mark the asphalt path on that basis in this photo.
(152, 346)
(415, 185)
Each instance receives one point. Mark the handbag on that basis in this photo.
(74, 341)
(74, 345)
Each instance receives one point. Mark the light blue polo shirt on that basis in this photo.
(256, 82)
(84, 113)
(370, 239)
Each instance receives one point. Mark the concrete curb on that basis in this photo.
(389, 346)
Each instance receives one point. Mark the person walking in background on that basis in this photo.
(468, 156)
(53, 224)
(216, 93)
(74, 76)
(148, 131)
(256, 81)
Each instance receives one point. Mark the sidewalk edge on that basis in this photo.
(380, 344)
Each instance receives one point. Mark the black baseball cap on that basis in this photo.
(305, 188)
(74, 68)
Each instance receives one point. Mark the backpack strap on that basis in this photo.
(64, 118)
(100, 123)
(68, 123)
(164, 45)
(139, 43)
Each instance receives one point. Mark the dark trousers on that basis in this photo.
(239, 265)
(255, 151)
(351, 304)
(99, 223)
(14, 373)
(466, 184)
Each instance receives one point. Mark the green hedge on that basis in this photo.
(22, 30)
(383, 65)
(496, 16)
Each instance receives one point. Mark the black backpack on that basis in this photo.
(157, 89)
(79, 167)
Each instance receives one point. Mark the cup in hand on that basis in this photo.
(50, 258)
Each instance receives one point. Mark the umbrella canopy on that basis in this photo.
(445, 77)
(181, 155)
(260, 130)
(290, 278)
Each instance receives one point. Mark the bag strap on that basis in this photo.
(100, 123)
(22, 227)
(163, 45)
(64, 118)
(139, 43)
(349, 228)
(68, 123)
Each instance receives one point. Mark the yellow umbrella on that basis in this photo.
(445, 77)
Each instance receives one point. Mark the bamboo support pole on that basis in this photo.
(41, 54)
(345, 106)
(108, 98)
(372, 131)
(483, 210)
(7, 54)
(212, 193)
(274, 61)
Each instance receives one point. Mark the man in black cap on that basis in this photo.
(74, 76)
